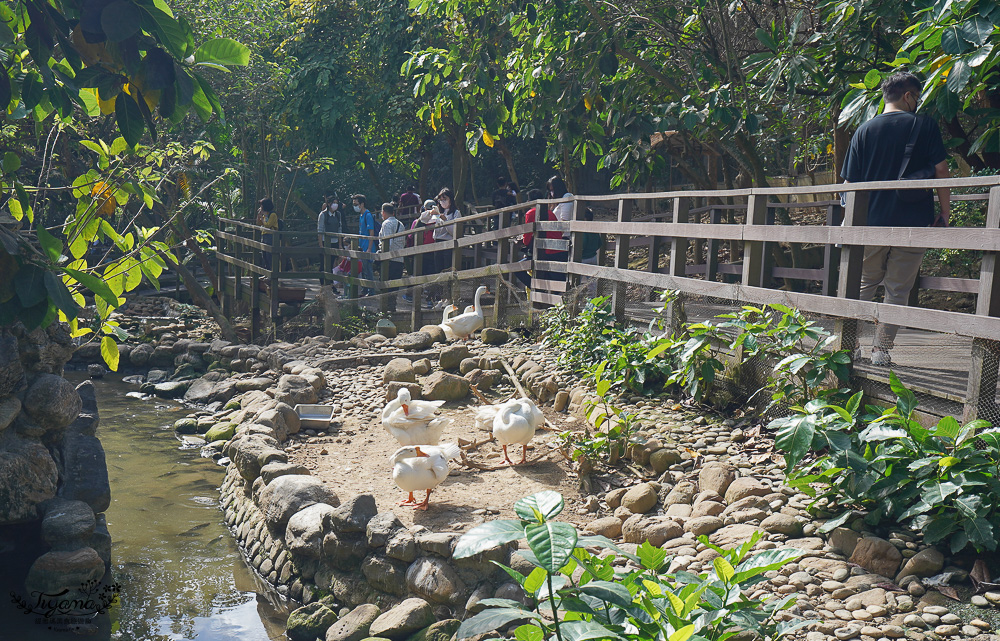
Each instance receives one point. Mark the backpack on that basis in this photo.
(376, 223)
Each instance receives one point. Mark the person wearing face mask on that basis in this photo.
(330, 221)
(368, 228)
(445, 211)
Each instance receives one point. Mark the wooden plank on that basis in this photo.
(625, 210)
(552, 243)
(544, 298)
(988, 302)
(798, 274)
(918, 318)
(548, 285)
(712, 246)
(242, 264)
(961, 285)
(753, 250)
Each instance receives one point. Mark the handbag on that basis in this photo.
(913, 195)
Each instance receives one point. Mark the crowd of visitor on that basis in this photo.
(428, 223)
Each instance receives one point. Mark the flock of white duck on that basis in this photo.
(422, 461)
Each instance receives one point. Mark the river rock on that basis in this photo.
(399, 370)
(744, 487)
(438, 631)
(305, 530)
(385, 574)
(779, 523)
(220, 432)
(402, 546)
(716, 477)
(662, 459)
(876, 555)
(639, 499)
(83, 471)
(844, 540)
(250, 452)
(416, 341)
(436, 332)
(682, 494)
(422, 366)
(52, 402)
(10, 407)
(387, 328)
(273, 470)
(733, 535)
(392, 391)
(435, 580)
(309, 622)
(656, 530)
(355, 625)
(614, 497)
(353, 515)
(494, 336)
(67, 523)
(200, 391)
(286, 495)
(171, 389)
(28, 476)
(68, 570)
(703, 525)
(250, 384)
(293, 389)
(442, 386)
(403, 620)
(452, 356)
(381, 527)
(11, 369)
(139, 356)
(609, 526)
(926, 562)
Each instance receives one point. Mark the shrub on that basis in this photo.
(943, 481)
(641, 603)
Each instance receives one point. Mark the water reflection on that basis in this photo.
(180, 572)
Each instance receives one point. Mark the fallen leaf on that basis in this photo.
(949, 592)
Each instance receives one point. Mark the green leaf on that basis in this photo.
(129, 118)
(836, 522)
(585, 630)
(109, 352)
(60, 296)
(528, 632)
(11, 162)
(980, 532)
(96, 285)
(614, 593)
(492, 619)
(976, 31)
(939, 528)
(120, 20)
(650, 556)
(952, 41)
(959, 76)
(50, 244)
(872, 78)
(534, 581)
(948, 428)
(539, 507)
(765, 562)
(552, 543)
(486, 536)
(723, 569)
(684, 633)
(223, 51)
(795, 438)
(29, 283)
(880, 432)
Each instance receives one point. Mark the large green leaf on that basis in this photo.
(584, 630)
(936, 493)
(976, 31)
(765, 562)
(552, 543)
(795, 437)
(614, 593)
(492, 619)
(881, 432)
(486, 536)
(980, 532)
(94, 284)
(52, 245)
(948, 428)
(120, 20)
(60, 296)
(651, 556)
(129, 119)
(835, 522)
(540, 507)
(938, 528)
(223, 51)
(109, 352)
(29, 283)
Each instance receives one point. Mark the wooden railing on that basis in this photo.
(679, 247)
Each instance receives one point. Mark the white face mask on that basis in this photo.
(357, 209)
(333, 207)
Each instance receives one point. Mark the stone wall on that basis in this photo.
(296, 534)
(53, 477)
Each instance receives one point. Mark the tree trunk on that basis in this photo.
(459, 169)
(508, 158)
(201, 297)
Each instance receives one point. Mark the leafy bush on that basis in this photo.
(613, 427)
(641, 603)
(580, 341)
(943, 481)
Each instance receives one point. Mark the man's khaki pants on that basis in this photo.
(896, 269)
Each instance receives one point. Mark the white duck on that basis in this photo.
(515, 423)
(465, 324)
(422, 467)
(448, 334)
(413, 422)
(484, 417)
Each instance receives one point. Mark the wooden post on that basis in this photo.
(383, 274)
(753, 250)
(575, 255)
(416, 314)
(831, 253)
(767, 254)
(712, 259)
(625, 208)
(656, 244)
(678, 264)
(503, 257)
(352, 286)
(238, 291)
(456, 261)
(980, 396)
(276, 259)
(852, 258)
(255, 312)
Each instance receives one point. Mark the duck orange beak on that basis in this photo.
(406, 409)
(421, 452)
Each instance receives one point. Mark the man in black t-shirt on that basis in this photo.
(877, 152)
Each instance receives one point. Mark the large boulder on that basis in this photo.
(11, 370)
(442, 386)
(876, 555)
(354, 515)
(438, 631)
(355, 624)
(67, 523)
(403, 620)
(435, 580)
(744, 487)
(716, 477)
(926, 562)
(293, 389)
(414, 341)
(436, 332)
(171, 389)
(639, 499)
(494, 336)
(284, 496)
(385, 574)
(139, 356)
(28, 477)
(251, 452)
(309, 622)
(68, 570)
(10, 407)
(52, 402)
(399, 370)
(305, 530)
(220, 432)
(452, 356)
(200, 392)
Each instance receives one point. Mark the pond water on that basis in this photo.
(180, 572)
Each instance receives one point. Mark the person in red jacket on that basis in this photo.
(541, 212)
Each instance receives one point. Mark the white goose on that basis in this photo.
(413, 422)
(448, 334)
(422, 467)
(465, 324)
(515, 423)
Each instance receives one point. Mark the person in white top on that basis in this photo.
(390, 227)
(557, 189)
